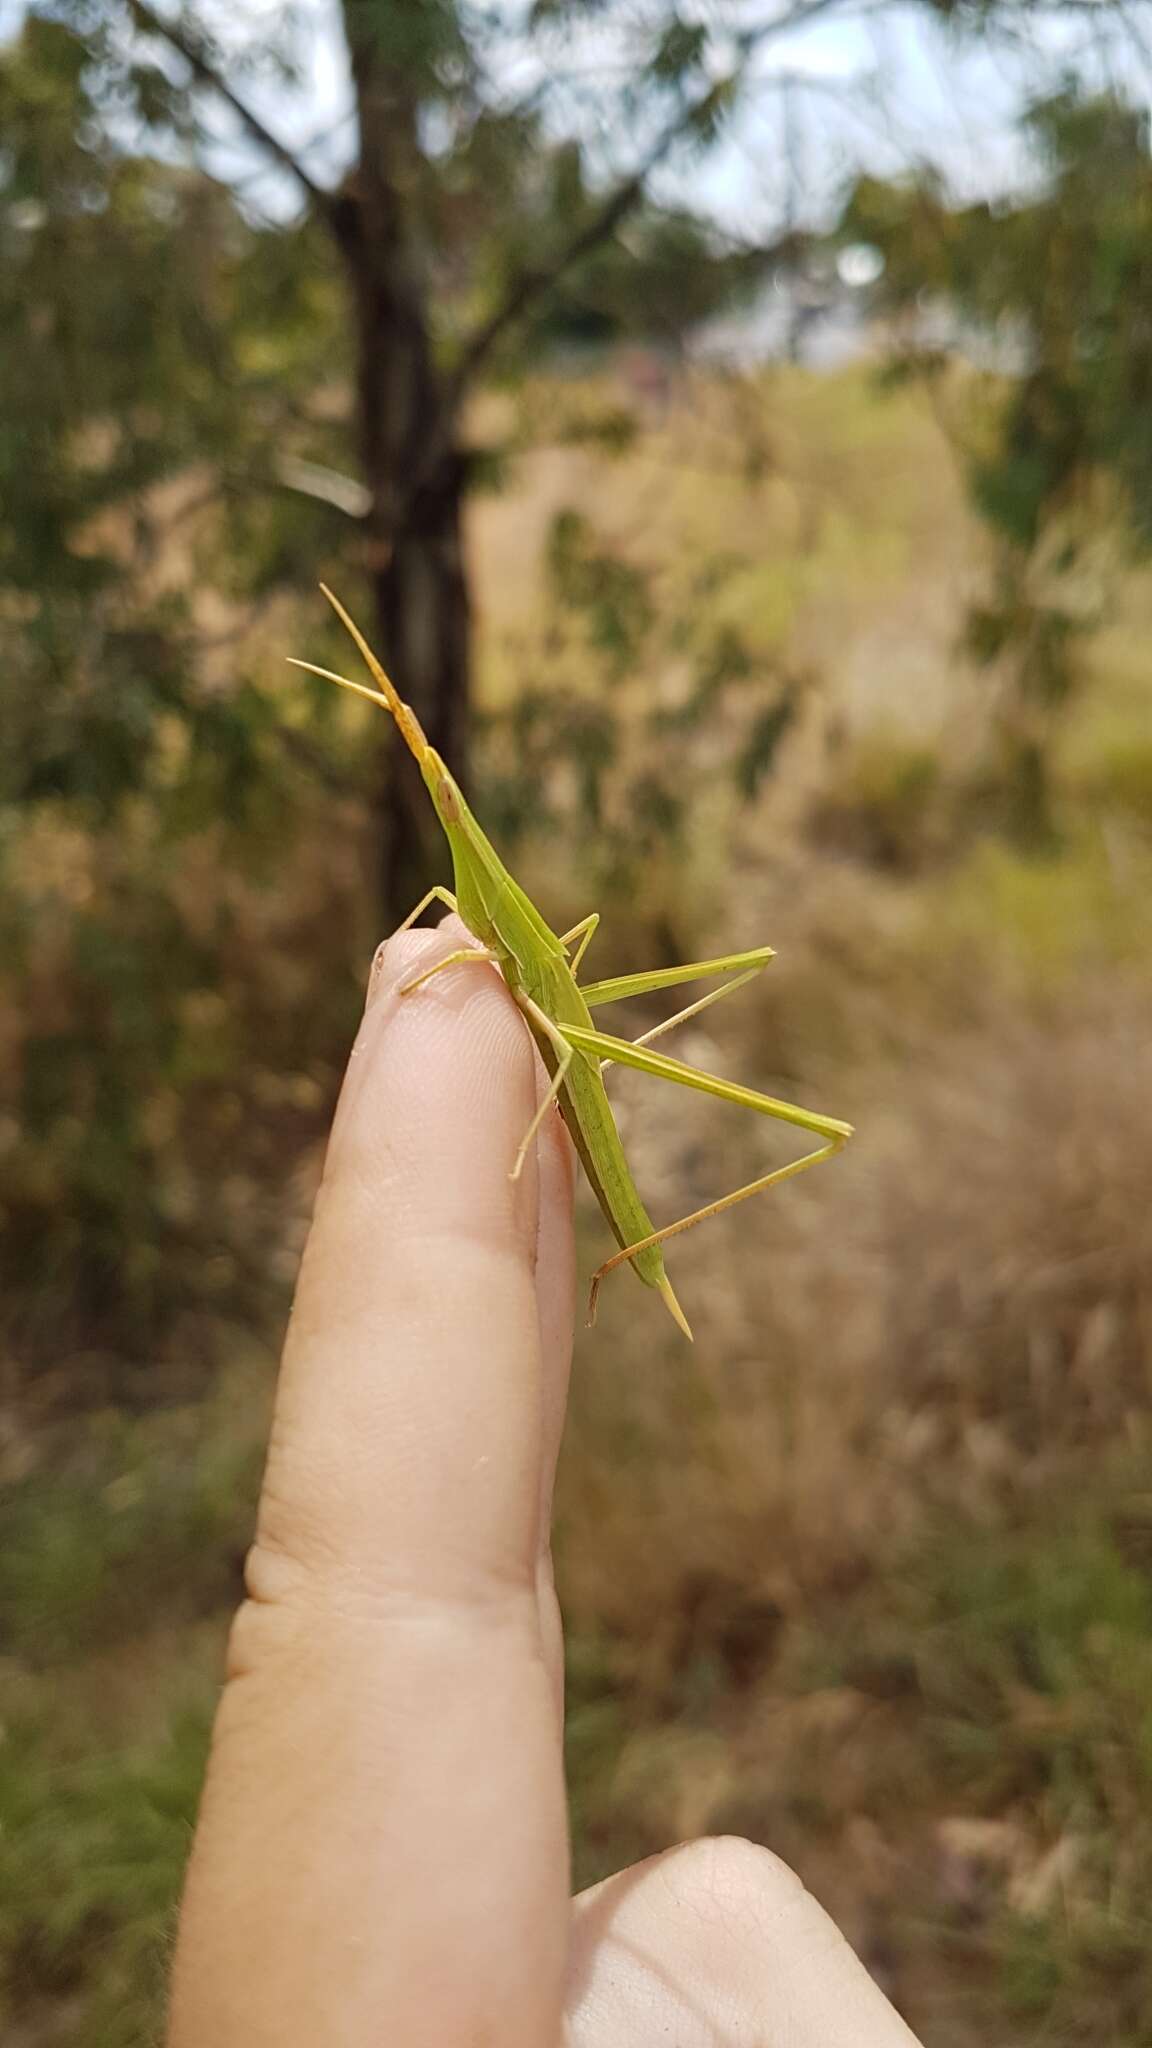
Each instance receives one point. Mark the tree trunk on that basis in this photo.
(424, 618)
(411, 463)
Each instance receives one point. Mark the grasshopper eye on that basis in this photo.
(447, 803)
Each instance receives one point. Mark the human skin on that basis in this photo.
(381, 1859)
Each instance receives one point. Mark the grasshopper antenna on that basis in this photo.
(385, 692)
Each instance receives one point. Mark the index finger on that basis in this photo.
(382, 1847)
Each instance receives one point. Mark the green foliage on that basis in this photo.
(1119, 781)
(999, 1612)
(92, 1858)
(599, 759)
(156, 1068)
(763, 741)
(599, 586)
(120, 1553)
(882, 802)
(667, 277)
(1057, 443)
(1032, 1670)
(143, 399)
(144, 1515)
(125, 369)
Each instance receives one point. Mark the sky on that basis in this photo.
(882, 88)
(885, 89)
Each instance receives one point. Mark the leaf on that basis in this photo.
(680, 49)
(760, 747)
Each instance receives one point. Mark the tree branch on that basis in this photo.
(329, 486)
(533, 284)
(204, 70)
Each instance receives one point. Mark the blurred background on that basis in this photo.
(733, 422)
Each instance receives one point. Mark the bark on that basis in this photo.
(412, 464)
(424, 618)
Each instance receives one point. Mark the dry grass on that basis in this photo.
(888, 1531)
(962, 1300)
(845, 512)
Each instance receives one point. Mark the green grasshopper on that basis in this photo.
(535, 963)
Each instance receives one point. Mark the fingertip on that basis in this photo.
(403, 952)
(454, 1049)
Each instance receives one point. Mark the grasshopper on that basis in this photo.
(540, 970)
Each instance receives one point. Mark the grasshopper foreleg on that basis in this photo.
(455, 959)
(436, 894)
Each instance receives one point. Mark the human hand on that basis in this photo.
(382, 1851)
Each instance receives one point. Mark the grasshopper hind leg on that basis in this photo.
(754, 1187)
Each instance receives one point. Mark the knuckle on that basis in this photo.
(296, 1618)
(734, 1878)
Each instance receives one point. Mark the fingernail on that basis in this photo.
(376, 975)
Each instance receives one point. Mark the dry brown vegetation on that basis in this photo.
(887, 1604)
